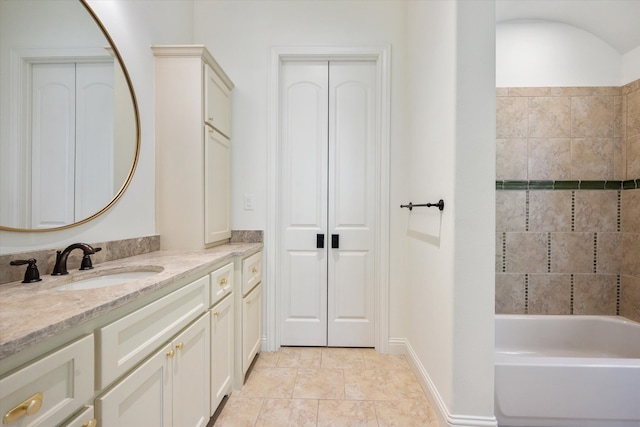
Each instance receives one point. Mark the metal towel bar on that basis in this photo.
(440, 205)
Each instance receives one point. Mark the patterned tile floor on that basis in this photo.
(302, 386)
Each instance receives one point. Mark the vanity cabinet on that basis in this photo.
(171, 388)
(248, 315)
(222, 330)
(193, 130)
(51, 389)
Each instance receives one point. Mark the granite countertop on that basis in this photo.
(32, 312)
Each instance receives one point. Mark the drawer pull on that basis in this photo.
(170, 354)
(28, 407)
(180, 346)
(254, 270)
(91, 423)
(223, 282)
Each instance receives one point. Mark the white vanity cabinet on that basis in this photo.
(248, 303)
(222, 330)
(171, 388)
(193, 127)
(50, 389)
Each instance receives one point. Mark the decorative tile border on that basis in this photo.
(630, 184)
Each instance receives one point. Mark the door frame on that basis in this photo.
(380, 54)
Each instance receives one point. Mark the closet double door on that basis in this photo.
(327, 200)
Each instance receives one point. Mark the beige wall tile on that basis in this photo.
(530, 91)
(510, 295)
(609, 253)
(594, 294)
(549, 117)
(630, 211)
(549, 158)
(633, 157)
(502, 91)
(549, 294)
(620, 159)
(592, 158)
(549, 210)
(510, 210)
(618, 124)
(511, 159)
(596, 210)
(630, 298)
(633, 113)
(572, 253)
(526, 252)
(511, 117)
(631, 254)
(592, 116)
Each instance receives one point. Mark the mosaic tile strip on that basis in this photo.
(630, 184)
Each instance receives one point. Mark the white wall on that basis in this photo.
(451, 91)
(134, 25)
(543, 53)
(240, 35)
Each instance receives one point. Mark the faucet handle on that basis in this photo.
(32, 274)
(86, 263)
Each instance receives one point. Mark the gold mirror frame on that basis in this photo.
(134, 102)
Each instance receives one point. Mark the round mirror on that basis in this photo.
(69, 123)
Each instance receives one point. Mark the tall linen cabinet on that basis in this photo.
(193, 160)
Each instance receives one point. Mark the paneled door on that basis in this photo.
(327, 130)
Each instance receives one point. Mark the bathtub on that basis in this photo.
(567, 371)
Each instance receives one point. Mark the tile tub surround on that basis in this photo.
(111, 250)
(568, 200)
(59, 311)
(304, 386)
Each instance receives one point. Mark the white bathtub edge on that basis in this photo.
(445, 418)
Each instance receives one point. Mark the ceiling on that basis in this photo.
(617, 22)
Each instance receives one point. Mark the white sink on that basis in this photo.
(108, 279)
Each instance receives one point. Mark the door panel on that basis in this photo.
(327, 186)
(351, 281)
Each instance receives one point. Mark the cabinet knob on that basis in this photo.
(180, 346)
(223, 282)
(210, 119)
(29, 406)
(91, 423)
(216, 313)
(170, 354)
(254, 270)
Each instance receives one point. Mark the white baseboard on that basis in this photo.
(445, 418)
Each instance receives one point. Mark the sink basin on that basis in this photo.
(108, 279)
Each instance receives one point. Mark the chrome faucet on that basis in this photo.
(61, 258)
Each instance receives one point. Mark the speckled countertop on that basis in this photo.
(30, 313)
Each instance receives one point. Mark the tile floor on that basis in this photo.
(302, 386)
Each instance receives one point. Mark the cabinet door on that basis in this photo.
(217, 102)
(142, 398)
(251, 272)
(251, 326)
(217, 187)
(221, 351)
(62, 382)
(83, 418)
(191, 364)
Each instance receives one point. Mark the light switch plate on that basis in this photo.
(248, 202)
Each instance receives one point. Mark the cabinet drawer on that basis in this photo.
(251, 272)
(221, 282)
(65, 379)
(82, 419)
(125, 342)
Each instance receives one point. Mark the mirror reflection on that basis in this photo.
(68, 123)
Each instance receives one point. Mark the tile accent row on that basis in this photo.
(630, 184)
